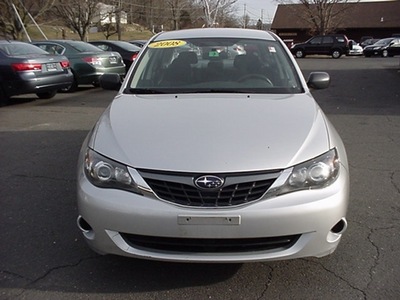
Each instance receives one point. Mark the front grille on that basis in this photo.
(238, 189)
(227, 196)
(191, 245)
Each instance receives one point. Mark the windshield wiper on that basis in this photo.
(145, 91)
(227, 91)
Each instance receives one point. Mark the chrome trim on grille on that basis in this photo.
(180, 189)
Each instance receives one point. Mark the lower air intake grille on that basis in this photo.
(210, 245)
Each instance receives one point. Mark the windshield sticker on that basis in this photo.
(167, 44)
(214, 53)
(271, 49)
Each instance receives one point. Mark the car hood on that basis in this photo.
(211, 133)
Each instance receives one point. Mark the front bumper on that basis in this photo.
(108, 216)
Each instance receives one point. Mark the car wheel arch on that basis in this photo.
(73, 87)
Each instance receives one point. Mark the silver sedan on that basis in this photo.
(211, 158)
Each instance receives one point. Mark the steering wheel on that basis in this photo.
(255, 76)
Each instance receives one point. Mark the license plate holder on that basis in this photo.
(51, 67)
(208, 220)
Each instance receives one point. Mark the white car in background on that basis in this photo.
(211, 158)
(355, 49)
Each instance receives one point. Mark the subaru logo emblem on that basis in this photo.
(209, 182)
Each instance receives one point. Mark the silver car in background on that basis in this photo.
(211, 158)
(26, 69)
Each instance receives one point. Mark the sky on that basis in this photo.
(257, 9)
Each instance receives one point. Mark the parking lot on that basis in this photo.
(43, 256)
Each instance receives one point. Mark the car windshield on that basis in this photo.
(127, 46)
(383, 42)
(214, 65)
(15, 49)
(84, 47)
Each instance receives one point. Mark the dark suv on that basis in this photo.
(334, 44)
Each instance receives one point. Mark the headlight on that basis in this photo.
(106, 173)
(313, 174)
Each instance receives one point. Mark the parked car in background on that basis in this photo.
(394, 47)
(368, 42)
(355, 49)
(210, 158)
(139, 43)
(88, 62)
(380, 48)
(334, 45)
(26, 69)
(128, 51)
(365, 38)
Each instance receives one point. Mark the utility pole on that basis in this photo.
(20, 21)
(244, 15)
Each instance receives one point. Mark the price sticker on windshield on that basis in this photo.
(167, 44)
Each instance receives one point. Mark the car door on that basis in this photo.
(394, 48)
(314, 45)
(326, 45)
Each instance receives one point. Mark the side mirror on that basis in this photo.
(110, 82)
(318, 80)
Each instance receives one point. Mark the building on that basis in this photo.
(356, 20)
(107, 14)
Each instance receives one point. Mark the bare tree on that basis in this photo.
(176, 8)
(322, 16)
(213, 8)
(10, 21)
(106, 18)
(77, 14)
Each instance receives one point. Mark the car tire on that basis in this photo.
(72, 88)
(385, 53)
(4, 99)
(300, 53)
(336, 53)
(46, 95)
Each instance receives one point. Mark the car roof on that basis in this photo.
(58, 41)
(108, 41)
(215, 32)
(11, 42)
(112, 42)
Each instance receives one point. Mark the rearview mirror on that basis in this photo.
(110, 82)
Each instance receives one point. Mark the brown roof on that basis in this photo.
(358, 15)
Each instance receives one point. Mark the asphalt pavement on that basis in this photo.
(43, 256)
